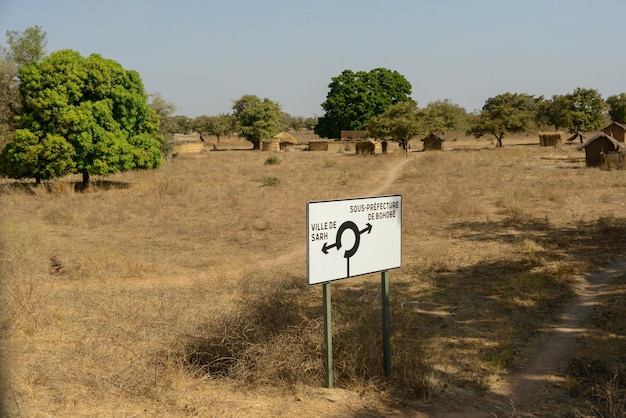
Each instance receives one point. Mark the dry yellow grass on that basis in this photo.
(107, 292)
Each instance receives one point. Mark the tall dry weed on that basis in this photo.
(23, 274)
(276, 337)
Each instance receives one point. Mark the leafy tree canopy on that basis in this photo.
(22, 49)
(586, 110)
(617, 107)
(220, 125)
(553, 112)
(503, 114)
(400, 122)
(26, 47)
(81, 115)
(170, 123)
(443, 116)
(167, 126)
(356, 97)
(257, 118)
(579, 111)
(162, 107)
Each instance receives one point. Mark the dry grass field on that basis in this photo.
(182, 292)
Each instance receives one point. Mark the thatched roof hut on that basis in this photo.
(286, 141)
(598, 146)
(433, 142)
(285, 137)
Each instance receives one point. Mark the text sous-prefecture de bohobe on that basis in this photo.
(375, 211)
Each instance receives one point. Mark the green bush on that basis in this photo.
(273, 160)
(271, 181)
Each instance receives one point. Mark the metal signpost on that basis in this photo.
(352, 237)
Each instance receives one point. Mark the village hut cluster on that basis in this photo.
(359, 142)
(605, 149)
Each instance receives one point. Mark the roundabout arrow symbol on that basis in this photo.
(357, 238)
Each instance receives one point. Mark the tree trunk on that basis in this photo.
(86, 180)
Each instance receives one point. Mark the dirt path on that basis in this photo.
(548, 364)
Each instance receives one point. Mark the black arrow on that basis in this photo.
(368, 229)
(326, 247)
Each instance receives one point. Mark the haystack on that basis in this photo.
(286, 141)
(285, 137)
(550, 139)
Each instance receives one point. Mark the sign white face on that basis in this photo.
(351, 237)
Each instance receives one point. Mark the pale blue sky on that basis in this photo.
(202, 55)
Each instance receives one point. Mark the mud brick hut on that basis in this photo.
(433, 142)
(272, 145)
(616, 130)
(598, 146)
(321, 145)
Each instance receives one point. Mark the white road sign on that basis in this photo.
(350, 237)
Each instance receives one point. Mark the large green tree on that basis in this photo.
(81, 115)
(257, 118)
(400, 122)
(355, 98)
(504, 114)
(617, 107)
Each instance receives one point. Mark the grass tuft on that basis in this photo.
(270, 181)
(272, 160)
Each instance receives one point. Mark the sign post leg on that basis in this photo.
(385, 315)
(328, 337)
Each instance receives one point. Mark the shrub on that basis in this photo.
(273, 160)
(271, 181)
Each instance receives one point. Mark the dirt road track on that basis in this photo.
(551, 357)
